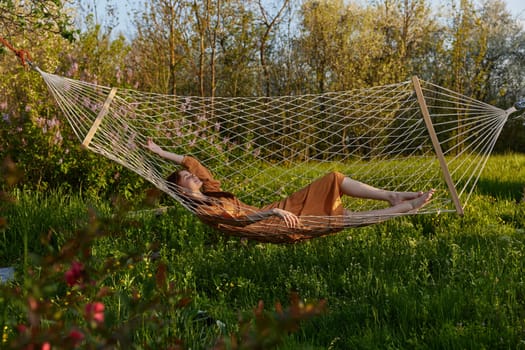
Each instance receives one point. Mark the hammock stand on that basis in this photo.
(409, 136)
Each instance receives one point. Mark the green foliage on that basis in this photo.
(392, 37)
(330, 46)
(103, 284)
(37, 136)
(37, 15)
(422, 282)
(165, 279)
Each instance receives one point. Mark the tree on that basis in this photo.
(40, 16)
(467, 43)
(33, 131)
(503, 64)
(504, 59)
(28, 113)
(162, 49)
(407, 27)
(269, 24)
(351, 46)
(207, 33)
(237, 61)
(317, 42)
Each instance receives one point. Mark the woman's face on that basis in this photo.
(189, 181)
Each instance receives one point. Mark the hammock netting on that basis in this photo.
(265, 148)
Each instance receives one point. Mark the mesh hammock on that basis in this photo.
(409, 136)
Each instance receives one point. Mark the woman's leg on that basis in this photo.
(358, 189)
(378, 215)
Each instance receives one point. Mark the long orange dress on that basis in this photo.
(318, 206)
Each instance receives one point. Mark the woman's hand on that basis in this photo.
(153, 147)
(291, 220)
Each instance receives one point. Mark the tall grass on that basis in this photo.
(38, 221)
(426, 281)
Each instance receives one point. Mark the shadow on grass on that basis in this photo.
(504, 189)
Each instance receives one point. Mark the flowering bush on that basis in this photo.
(33, 130)
(76, 297)
(94, 314)
(60, 301)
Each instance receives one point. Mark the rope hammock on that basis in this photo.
(409, 136)
(403, 137)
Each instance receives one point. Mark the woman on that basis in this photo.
(322, 198)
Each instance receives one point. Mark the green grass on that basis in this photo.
(427, 281)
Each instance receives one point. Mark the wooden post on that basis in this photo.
(100, 116)
(436, 144)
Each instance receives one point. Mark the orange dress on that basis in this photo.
(318, 206)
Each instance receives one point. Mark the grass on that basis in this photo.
(427, 281)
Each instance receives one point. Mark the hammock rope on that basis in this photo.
(408, 136)
(281, 144)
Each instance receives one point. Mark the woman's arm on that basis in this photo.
(191, 164)
(153, 147)
(291, 220)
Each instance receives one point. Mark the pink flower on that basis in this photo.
(75, 275)
(40, 122)
(72, 70)
(94, 312)
(22, 328)
(57, 138)
(76, 336)
(118, 75)
(46, 346)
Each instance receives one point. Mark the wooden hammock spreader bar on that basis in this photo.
(100, 116)
(436, 144)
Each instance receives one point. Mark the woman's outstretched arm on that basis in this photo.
(153, 147)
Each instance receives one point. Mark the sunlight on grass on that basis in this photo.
(427, 281)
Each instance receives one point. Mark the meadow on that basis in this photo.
(167, 281)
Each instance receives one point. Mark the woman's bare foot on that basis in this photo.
(394, 198)
(421, 200)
